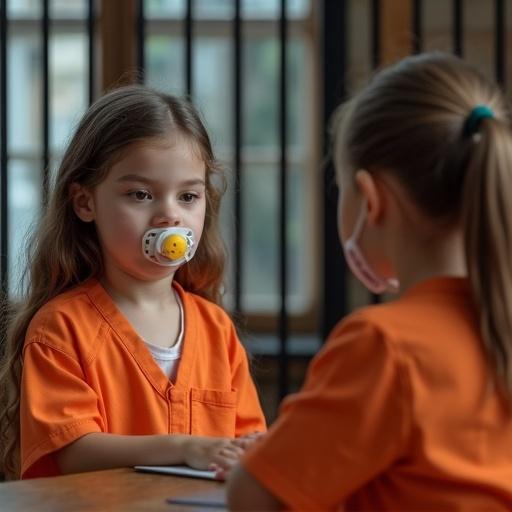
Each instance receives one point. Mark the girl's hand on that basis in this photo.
(209, 452)
(242, 443)
(248, 440)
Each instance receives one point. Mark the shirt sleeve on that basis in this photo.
(57, 406)
(347, 424)
(249, 417)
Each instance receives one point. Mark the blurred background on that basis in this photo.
(266, 76)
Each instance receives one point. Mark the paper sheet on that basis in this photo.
(178, 471)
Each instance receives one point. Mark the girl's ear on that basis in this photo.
(372, 194)
(83, 203)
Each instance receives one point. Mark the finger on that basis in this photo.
(221, 474)
(226, 465)
(248, 440)
(252, 435)
(225, 462)
(242, 443)
(235, 451)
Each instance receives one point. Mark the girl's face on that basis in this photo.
(158, 183)
(351, 201)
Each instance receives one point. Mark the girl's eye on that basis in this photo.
(141, 195)
(188, 197)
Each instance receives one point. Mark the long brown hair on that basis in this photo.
(411, 120)
(64, 251)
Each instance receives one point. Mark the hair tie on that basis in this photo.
(475, 118)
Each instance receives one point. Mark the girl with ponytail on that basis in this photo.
(409, 404)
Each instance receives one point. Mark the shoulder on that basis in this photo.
(69, 322)
(371, 337)
(364, 333)
(362, 363)
(415, 327)
(424, 317)
(371, 321)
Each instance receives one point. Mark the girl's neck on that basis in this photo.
(417, 260)
(128, 290)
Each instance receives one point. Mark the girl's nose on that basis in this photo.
(167, 216)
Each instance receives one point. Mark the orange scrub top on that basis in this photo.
(86, 370)
(398, 412)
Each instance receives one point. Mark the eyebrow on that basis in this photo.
(143, 179)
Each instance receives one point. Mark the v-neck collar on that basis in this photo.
(135, 345)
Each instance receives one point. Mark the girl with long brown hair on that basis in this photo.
(409, 405)
(119, 353)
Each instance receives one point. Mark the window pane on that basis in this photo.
(213, 91)
(224, 9)
(24, 93)
(32, 9)
(164, 8)
(299, 88)
(165, 63)
(24, 8)
(260, 79)
(261, 76)
(212, 73)
(24, 212)
(68, 9)
(69, 94)
(261, 243)
(220, 9)
(264, 9)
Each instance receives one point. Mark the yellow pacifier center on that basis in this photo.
(174, 247)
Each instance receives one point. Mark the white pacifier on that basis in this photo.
(170, 247)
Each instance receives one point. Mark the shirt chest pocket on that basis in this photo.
(213, 413)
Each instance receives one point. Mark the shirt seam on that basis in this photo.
(42, 339)
(399, 363)
(58, 433)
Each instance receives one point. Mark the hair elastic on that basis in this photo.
(475, 118)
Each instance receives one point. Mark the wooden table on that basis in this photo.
(111, 490)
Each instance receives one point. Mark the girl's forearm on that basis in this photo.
(97, 451)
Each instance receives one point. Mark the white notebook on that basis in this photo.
(178, 471)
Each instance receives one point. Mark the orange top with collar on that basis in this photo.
(398, 412)
(86, 370)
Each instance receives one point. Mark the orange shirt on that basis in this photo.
(398, 412)
(86, 370)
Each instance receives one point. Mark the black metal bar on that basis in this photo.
(4, 210)
(188, 47)
(141, 39)
(500, 45)
(238, 140)
(417, 26)
(283, 204)
(375, 33)
(335, 89)
(458, 21)
(45, 34)
(91, 47)
(376, 36)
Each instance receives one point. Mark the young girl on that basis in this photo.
(408, 406)
(119, 354)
